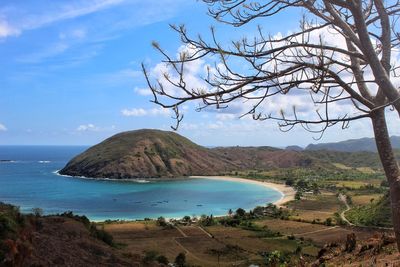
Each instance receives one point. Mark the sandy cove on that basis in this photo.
(287, 192)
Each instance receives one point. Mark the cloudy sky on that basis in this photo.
(70, 74)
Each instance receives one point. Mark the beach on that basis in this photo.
(287, 192)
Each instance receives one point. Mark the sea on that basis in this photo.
(29, 179)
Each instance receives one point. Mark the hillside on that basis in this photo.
(353, 145)
(155, 153)
(146, 154)
(264, 158)
(59, 240)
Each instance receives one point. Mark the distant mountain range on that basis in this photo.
(353, 145)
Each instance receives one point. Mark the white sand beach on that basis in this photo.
(287, 192)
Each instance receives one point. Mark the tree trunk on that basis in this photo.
(390, 167)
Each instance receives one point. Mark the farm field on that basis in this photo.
(301, 227)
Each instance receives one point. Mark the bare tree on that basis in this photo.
(356, 69)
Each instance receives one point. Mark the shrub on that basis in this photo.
(37, 212)
(7, 225)
(180, 260)
(150, 256)
(162, 259)
(328, 221)
(291, 237)
(186, 218)
(240, 212)
(101, 235)
(161, 222)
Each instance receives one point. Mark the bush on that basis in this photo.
(150, 256)
(162, 259)
(186, 218)
(101, 235)
(180, 260)
(83, 219)
(328, 221)
(291, 237)
(7, 226)
(37, 212)
(207, 220)
(161, 222)
(240, 212)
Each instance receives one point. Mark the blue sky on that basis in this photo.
(70, 73)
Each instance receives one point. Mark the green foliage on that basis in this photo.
(350, 159)
(229, 221)
(150, 256)
(329, 221)
(83, 219)
(207, 220)
(162, 259)
(7, 226)
(101, 234)
(290, 181)
(240, 213)
(180, 260)
(11, 220)
(186, 218)
(161, 222)
(376, 213)
(275, 258)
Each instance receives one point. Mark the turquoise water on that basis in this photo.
(30, 180)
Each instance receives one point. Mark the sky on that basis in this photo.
(70, 74)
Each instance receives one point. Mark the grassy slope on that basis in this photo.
(376, 213)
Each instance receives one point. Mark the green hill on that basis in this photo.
(353, 145)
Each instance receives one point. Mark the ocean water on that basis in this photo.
(30, 180)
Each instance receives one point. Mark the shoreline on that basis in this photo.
(287, 192)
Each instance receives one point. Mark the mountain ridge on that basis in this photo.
(353, 145)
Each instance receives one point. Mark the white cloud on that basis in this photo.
(140, 112)
(134, 112)
(7, 30)
(90, 127)
(3, 128)
(87, 127)
(143, 91)
(225, 116)
(55, 13)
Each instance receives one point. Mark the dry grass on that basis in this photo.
(312, 215)
(341, 166)
(365, 199)
(358, 184)
(326, 202)
(290, 227)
